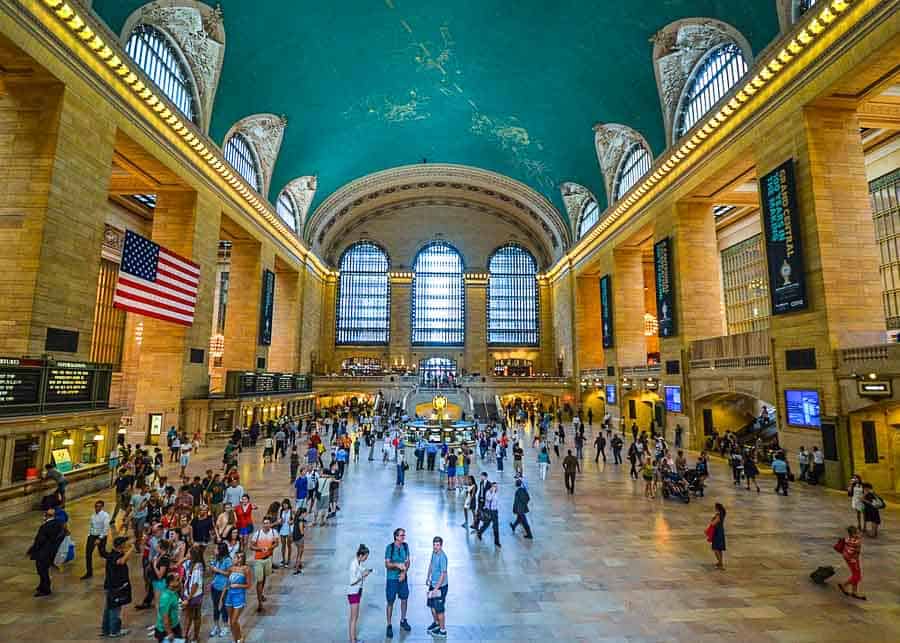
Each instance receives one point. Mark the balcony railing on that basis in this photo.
(742, 345)
(646, 369)
(752, 361)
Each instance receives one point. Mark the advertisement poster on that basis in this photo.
(266, 308)
(803, 408)
(611, 394)
(673, 399)
(606, 318)
(665, 296)
(784, 250)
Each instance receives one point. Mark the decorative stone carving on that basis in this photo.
(303, 191)
(574, 196)
(199, 31)
(612, 142)
(678, 48)
(113, 242)
(265, 133)
(476, 186)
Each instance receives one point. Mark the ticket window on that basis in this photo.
(26, 450)
(92, 445)
(62, 441)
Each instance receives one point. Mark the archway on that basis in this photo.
(750, 420)
(437, 371)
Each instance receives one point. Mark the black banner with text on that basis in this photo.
(665, 295)
(606, 318)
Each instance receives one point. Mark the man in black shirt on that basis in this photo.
(43, 550)
(117, 586)
(483, 485)
(570, 466)
(124, 483)
(600, 445)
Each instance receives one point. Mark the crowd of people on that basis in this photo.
(202, 536)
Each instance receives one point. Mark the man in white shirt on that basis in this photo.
(97, 534)
(233, 493)
(818, 468)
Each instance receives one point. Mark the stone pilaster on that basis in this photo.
(284, 354)
(630, 346)
(401, 291)
(476, 323)
(55, 163)
(248, 260)
(589, 337)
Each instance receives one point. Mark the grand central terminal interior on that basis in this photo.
(678, 219)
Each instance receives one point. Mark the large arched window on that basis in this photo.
(363, 315)
(286, 209)
(634, 165)
(717, 73)
(160, 60)
(239, 153)
(590, 215)
(512, 297)
(438, 296)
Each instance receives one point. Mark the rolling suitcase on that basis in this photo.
(822, 574)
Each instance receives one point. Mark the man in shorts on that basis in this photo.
(263, 544)
(396, 561)
(437, 588)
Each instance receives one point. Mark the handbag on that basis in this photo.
(710, 532)
(119, 596)
(839, 545)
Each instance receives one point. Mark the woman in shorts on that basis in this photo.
(298, 533)
(358, 573)
(235, 599)
(285, 525)
(192, 592)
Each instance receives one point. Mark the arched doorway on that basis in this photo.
(751, 420)
(437, 371)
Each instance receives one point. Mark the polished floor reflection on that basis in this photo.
(605, 565)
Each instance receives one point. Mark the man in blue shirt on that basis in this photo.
(301, 485)
(396, 561)
(437, 584)
(780, 469)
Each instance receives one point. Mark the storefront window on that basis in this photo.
(84, 446)
(25, 457)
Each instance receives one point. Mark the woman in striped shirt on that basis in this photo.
(851, 554)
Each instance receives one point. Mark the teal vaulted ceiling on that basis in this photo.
(509, 86)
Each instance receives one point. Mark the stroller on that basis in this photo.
(694, 482)
(674, 486)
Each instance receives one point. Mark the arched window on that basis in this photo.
(635, 164)
(512, 297)
(160, 60)
(438, 296)
(286, 209)
(363, 315)
(714, 77)
(240, 155)
(590, 215)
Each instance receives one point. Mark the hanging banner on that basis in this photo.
(784, 251)
(665, 296)
(606, 318)
(266, 308)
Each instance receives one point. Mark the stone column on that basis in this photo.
(476, 323)
(284, 356)
(630, 346)
(186, 223)
(311, 321)
(401, 291)
(55, 164)
(589, 336)
(248, 260)
(547, 361)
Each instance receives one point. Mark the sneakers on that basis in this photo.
(433, 627)
(405, 626)
(214, 631)
(441, 634)
(120, 634)
(389, 633)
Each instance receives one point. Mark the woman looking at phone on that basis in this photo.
(358, 573)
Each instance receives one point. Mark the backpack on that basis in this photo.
(403, 547)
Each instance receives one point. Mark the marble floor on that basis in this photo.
(605, 565)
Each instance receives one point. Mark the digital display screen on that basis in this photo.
(803, 408)
(673, 399)
(69, 385)
(19, 385)
(611, 394)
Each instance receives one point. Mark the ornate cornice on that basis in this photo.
(265, 133)
(453, 181)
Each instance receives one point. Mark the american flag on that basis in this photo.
(156, 282)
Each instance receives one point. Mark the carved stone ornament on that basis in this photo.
(574, 196)
(113, 242)
(199, 32)
(303, 191)
(612, 141)
(265, 133)
(677, 50)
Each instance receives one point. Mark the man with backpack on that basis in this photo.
(396, 561)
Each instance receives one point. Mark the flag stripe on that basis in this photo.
(148, 313)
(148, 298)
(186, 264)
(171, 292)
(176, 271)
(159, 309)
(175, 283)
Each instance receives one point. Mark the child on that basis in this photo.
(647, 474)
